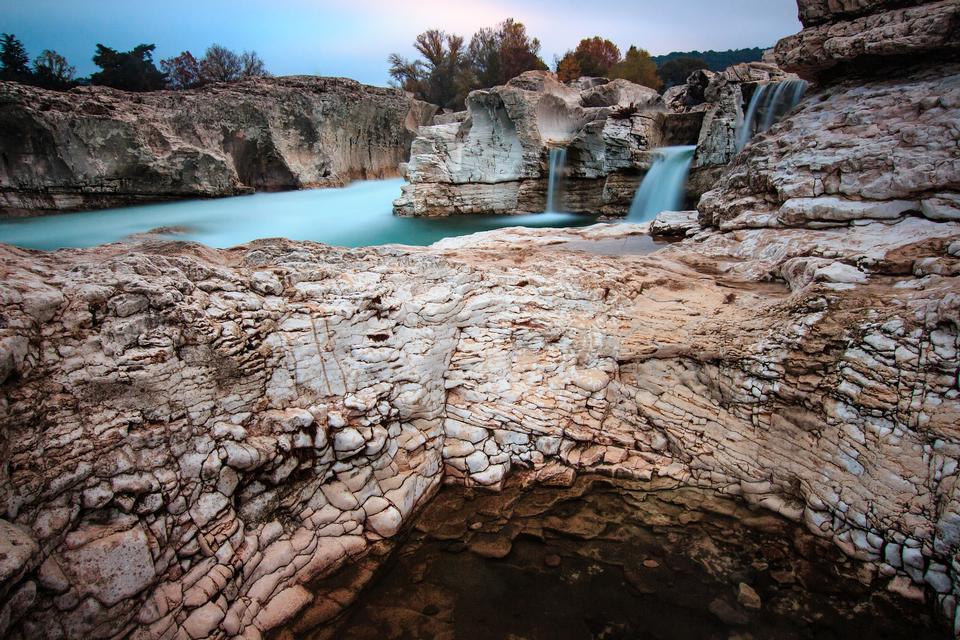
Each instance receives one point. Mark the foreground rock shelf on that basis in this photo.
(195, 439)
(608, 558)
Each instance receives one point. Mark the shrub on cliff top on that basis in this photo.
(128, 70)
(218, 64)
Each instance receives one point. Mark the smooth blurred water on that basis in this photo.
(664, 186)
(355, 216)
(770, 103)
(558, 163)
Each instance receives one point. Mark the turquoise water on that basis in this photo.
(664, 186)
(355, 216)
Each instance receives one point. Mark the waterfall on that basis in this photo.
(769, 103)
(663, 188)
(558, 161)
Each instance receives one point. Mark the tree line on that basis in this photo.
(449, 68)
(132, 70)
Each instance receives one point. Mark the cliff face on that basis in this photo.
(95, 147)
(495, 157)
(879, 142)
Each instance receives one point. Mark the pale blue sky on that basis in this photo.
(353, 39)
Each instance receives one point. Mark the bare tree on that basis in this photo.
(253, 66)
(52, 69)
(220, 64)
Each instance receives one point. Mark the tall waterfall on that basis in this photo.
(558, 161)
(663, 187)
(769, 103)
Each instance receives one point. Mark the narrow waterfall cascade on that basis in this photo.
(663, 187)
(770, 102)
(558, 162)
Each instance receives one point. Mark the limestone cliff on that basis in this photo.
(95, 147)
(494, 158)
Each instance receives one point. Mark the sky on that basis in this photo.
(353, 38)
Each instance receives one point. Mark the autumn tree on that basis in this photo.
(518, 52)
(14, 61)
(183, 71)
(593, 56)
(447, 70)
(568, 69)
(637, 66)
(677, 70)
(51, 70)
(128, 70)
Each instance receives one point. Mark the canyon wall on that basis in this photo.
(95, 147)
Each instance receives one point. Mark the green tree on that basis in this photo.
(637, 66)
(442, 77)
(14, 61)
(716, 60)
(128, 70)
(677, 70)
(51, 70)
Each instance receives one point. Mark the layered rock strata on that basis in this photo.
(722, 98)
(494, 158)
(194, 440)
(95, 147)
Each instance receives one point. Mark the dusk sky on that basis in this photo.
(353, 39)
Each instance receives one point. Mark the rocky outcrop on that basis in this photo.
(95, 147)
(496, 160)
(879, 149)
(870, 146)
(723, 99)
(218, 443)
(869, 33)
(230, 427)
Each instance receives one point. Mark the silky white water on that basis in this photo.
(358, 215)
(664, 186)
(558, 162)
(770, 103)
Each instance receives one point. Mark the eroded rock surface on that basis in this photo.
(95, 147)
(249, 420)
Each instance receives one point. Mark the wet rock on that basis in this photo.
(747, 597)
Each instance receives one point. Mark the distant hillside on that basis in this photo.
(716, 60)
